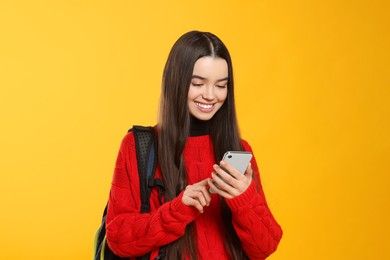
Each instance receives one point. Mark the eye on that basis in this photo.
(221, 84)
(196, 84)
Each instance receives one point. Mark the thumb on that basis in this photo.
(249, 171)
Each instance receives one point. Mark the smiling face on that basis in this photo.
(208, 89)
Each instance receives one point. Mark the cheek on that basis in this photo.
(222, 95)
(192, 93)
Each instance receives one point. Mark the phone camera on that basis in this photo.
(230, 156)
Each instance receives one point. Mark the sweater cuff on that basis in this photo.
(181, 209)
(243, 200)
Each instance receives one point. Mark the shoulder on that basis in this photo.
(128, 142)
(128, 139)
(246, 145)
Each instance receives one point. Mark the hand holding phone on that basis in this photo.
(238, 159)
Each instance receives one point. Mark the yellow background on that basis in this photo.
(312, 93)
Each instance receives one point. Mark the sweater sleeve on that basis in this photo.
(252, 219)
(130, 233)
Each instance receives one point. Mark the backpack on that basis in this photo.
(146, 149)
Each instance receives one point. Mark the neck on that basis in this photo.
(199, 127)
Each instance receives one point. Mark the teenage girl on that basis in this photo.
(197, 125)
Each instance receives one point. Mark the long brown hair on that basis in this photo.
(173, 131)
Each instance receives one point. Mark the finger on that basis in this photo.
(202, 187)
(225, 176)
(201, 183)
(192, 202)
(206, 193)
(223, 185)
(231, 170)
(197, 205)
(219, 191)
(198, 195)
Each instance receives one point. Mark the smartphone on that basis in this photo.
(238, 160)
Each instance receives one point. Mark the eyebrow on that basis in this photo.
(203, 78)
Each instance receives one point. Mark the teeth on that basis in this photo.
(204, 105)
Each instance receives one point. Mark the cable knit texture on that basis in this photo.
(131, 234)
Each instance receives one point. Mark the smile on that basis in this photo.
(204, 106)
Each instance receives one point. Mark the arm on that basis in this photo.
(252, 219)
(130, 233)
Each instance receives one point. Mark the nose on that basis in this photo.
(208, 93)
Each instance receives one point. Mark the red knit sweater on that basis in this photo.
(131, 234)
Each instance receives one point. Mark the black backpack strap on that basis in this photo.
(146, 151)
(145, 142)
(146, 147)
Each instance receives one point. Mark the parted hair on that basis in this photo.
(173, 131)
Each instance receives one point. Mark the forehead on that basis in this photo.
(211, 68)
